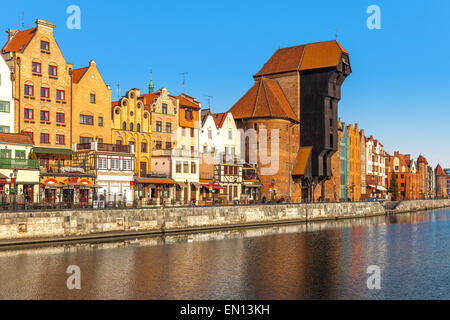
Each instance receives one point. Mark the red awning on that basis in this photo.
(216, 186)
(155, 181)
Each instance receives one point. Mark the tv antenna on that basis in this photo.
(336, 34)
(23, 20)
(184, 80)
(209, 100)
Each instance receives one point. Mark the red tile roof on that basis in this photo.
(304, 57)
(219, 118)
(114, 103)
(440, 172)
(265, 99)
(185, 101)
(150, 97)
(78, 74)
(15, 138)
(20, 41)
(422, 159)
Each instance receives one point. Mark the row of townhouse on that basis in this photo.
(144, 147)
(362, 169)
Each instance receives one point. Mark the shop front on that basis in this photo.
(154, 191)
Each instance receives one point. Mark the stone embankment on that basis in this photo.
(40, 227)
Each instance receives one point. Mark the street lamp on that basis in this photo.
(213, 183)
(353, 191)
(12, 188)
(273, 190)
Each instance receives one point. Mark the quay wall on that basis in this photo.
(38, 226)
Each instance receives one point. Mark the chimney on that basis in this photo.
(44, 25)
(11, 33)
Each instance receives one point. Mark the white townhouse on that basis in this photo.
(6, 99)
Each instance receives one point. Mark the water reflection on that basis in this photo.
(318, 260)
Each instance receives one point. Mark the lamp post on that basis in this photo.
(273, 190)
(353, 191)
(12, 189)
(213, 183)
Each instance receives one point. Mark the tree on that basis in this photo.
(393, 189)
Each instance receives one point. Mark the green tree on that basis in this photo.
(393, 189)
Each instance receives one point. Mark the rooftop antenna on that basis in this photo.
(336, 34)
(23, 20)
(118, 91)
(209, 100)
(184, 80)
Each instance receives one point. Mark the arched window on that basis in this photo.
(124, 126)
(131, 126)
(138, 127)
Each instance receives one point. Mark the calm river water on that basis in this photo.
(321, 260)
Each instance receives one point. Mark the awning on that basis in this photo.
(381, 188)
(155, 181)
(302, 162)
(216, 186)
(3, 179)
(60, 151)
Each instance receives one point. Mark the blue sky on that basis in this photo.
(398, 91)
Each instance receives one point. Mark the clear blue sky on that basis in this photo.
(398, 90)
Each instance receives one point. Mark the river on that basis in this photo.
(318, 260)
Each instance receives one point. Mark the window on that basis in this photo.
(209, 134)
(60, 95)
(168, 127)
(193, 167)
(143, 147)
(45, 138)
(100, 121)
(4, 106)
(178, 167)
(138, 127)
(45, 45)
(131, 126)
(188, 114)
(230, 134)
(4, 129)
(60, 117)
(60, 139)
(124, 126)
(29, 90)
(102, 163)
(158, 126)
(20, 154)
(86, 139)
(5, 154)
(45, 92)
(164, 108)
(36, 67)
(168, 145)
(52, 71)
(158, 145)
(115, 164)
(185, 167)
(92, 98)
(119, 142)
(29, 133)
(126, 164)
(192, 132)
(331, 140)
(85, 119)
(45, 116)
(100, 140)
(131, 144)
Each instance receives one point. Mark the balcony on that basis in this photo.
(19, 164)
(108, 147)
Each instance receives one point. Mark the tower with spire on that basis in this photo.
(151, 87)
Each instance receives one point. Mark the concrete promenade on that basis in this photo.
(34, 228)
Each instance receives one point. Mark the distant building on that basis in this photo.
(431, 182)
(364, 190)
(344, 165)
(422, 168)
(441, 182)
(376, 176)
(354, 149)
(405, 170)
(447, 171)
